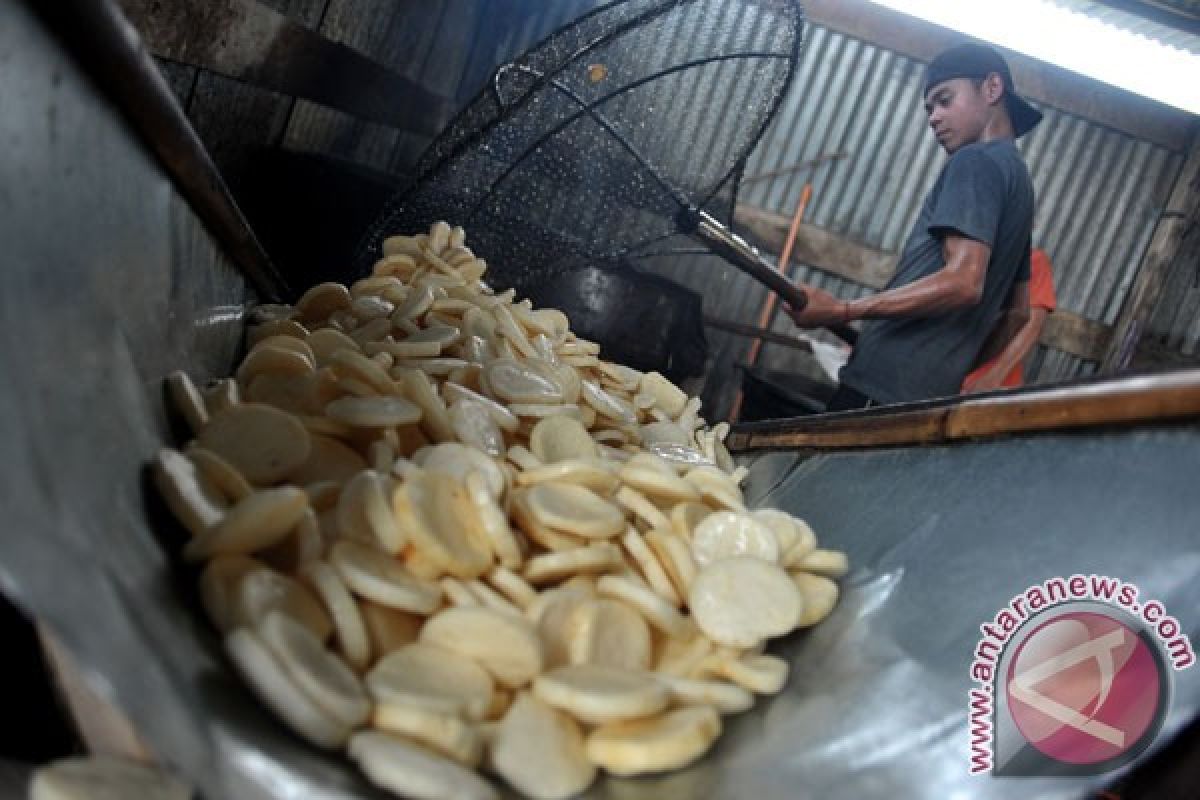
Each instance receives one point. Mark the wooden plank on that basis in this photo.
(1123, 402)
(830, 252)
(1181, 219)
(251, 42)
(817, 247)
(1113, 402)
(1065, 90)
(1076, 335)
(837, 433)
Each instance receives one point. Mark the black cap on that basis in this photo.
(977, 61)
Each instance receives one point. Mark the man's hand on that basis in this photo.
(823, 309)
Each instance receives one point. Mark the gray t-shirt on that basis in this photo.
(984, 193)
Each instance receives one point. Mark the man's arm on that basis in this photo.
(958, 284)
(1013, 353)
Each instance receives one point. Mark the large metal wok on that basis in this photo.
(110, 281)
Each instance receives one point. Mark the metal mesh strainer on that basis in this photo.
(606, 139)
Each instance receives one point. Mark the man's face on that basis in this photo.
(958, 112)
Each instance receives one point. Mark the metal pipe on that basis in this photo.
(742, 255)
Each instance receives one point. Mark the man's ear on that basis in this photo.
(993, 88)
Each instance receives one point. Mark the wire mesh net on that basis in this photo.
(588, 146)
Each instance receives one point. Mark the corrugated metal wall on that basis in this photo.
(1099, 193)
(451, 47)
(1176, 320)
(1125, 20)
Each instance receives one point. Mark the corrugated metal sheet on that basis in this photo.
(1099, 192)
(1176, 321)
(1176, 318)
(1158, 31)
(512, 28)
(452, 47)
(1191, 7)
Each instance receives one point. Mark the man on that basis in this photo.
(1006, 368)
(970, 245)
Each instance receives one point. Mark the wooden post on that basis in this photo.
(1182, 213)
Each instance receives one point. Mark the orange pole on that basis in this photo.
(764, 318)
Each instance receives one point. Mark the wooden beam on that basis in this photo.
(251, 42)
(818, 247)
(1180, 219)
(1037, 80)
(1076, 335)
(1123, 401)
(834, 254)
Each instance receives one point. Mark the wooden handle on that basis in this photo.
(1122, 401)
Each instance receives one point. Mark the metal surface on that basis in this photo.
(109, 282)
(14, 778)
(451, 47)
(738, 252)
(644, 321)
(940, 540)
